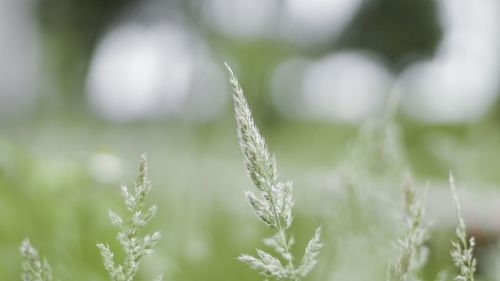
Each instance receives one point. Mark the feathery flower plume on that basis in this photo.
(134, 246)
(412, 250)
(273, 201)
(463, 249)
(33, 267)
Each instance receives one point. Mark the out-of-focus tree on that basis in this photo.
(399, 30)
(70, 29)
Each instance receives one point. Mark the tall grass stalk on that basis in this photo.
(34, 268)
(463, 249)
(133, 244)
(272, 203)
(412, 250)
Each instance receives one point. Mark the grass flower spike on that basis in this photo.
(412, 250)
(33, 268)
(463, 249)
(272, 203)
(134, 246)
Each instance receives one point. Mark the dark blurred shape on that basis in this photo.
(399, 30)
(71, 29)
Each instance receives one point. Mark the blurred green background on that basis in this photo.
(351, 95)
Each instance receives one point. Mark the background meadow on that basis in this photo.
(351, 96)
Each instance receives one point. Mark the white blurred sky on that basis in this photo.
(163, 69)
(19, 57)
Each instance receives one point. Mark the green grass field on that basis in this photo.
(52, 190)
